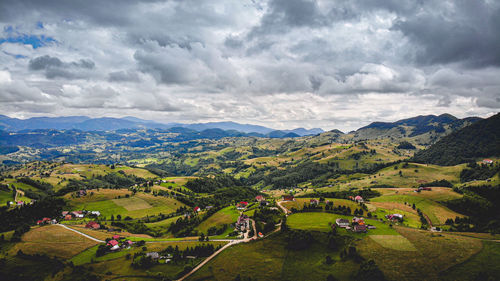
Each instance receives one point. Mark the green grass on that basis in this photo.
(396, 242)
(320, 222)
(437, 213)
(481, 266)
(5, 196)
(227, 215)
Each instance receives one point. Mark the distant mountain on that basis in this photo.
(431, 126)
(245, 128)
(481, 139)
(129, 122)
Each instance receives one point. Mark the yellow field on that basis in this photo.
(52, 240)
(396, 242)
(132, 203)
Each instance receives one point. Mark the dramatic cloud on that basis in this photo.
(280, 63)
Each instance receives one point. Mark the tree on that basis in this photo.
(328, 260)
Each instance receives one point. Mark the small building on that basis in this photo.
(359, 228)
(288, 198)
(95, 213)
(64, 213)
(77, 214)
(116, 237)
(68, 217)
(359, 221)
(153, 255)
(242, 205)
(259, 198)
(359, 199)
(487, 161)
(342, 222)
(394, 217)
(197, 209)
(314, 202)
(243, 222)
(92, 225)
(44, 221)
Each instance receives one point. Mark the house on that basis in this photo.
(114, 245)
(116, 237)
(264, 203)
(77, 214)
(288, 198)
(243, 222)
(153, 255)
(359, 228)
(44, 221)
(424, 188)
(197, 209)
(259, 198)
(64, 213)
(95, 213)
(487, 161)
(92, 225)
(19, 203)
(358, 199)
(342, 222)
(393, 217)
(68, 217)
(314, 202)
(242, 205)
(360, 221)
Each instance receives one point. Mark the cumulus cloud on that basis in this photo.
(280, 63)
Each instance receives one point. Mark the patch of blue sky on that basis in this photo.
(36, 41)
(17, 56)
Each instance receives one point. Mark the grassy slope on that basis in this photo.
(434, 253)
(227, 215)
(54, 241)
(320, 222)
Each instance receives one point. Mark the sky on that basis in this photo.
(280, 63)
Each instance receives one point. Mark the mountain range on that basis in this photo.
(85, 123)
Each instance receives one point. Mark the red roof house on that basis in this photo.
(93, 225)
(358, 199)
(197, 209)
(243, 203)
(116, 237)
(259, 198)
(113, 243)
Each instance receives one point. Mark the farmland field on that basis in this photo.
(227, 215)
(53, 240)
(435, 252)
(317, 221)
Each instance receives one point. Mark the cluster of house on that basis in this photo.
(357, 199)
(92, 225)
(67, 215)
(119, 242)
(46, 221)
(19, 203)
(198, 209)
(394, 217)
(167, 258)
(356, 225)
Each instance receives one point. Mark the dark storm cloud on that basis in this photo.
(53, 67)
(462, 31)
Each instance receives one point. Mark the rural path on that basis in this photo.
(285, 210)
(81, 233)
(233, 242)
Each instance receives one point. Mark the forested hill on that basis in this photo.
(481, 139)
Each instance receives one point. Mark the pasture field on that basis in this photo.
(5, 196)
(261, 260)
(436, 194)
(437, 213)
(435, 253)
(482, 266)
(382, 209)
(227, 215)
(299, 203)
(317, 221)
(52, 240)
(103, 234)
(395, 242)
(136, 206)
(88, 255)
